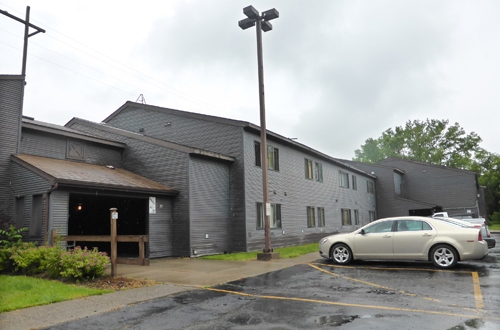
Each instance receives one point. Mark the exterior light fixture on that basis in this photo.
(261, 22)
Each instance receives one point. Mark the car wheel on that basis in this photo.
(444, 256)
(341, 254)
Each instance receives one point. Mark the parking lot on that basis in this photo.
(364, 295)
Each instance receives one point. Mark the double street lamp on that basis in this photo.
(261, 21)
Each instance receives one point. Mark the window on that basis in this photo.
(344, 179)
(19, 205)
(413, 225)
(381, 227)
(398, 184)
(316, 172)
(319, 171)
(371, 215)
(309, 169)
(36, 216)
(274, 218)
(356, 217)
(346, 217)
(354, 182)
(370, 188)
(272, 157)
(257, 154)
(311, 221)
(321, 216)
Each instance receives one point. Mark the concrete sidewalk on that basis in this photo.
(178, 275)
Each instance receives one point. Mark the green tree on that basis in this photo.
(432, 141)
(437, 142)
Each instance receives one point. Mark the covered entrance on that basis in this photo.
(89, 215)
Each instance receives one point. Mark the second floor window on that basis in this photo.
(318, 174)
(343, 179)
(370, 187)
(309, 169)
(272, 157)
(354, 182)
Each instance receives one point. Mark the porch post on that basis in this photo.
(113, 215)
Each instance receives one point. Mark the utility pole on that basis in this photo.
(27, 25)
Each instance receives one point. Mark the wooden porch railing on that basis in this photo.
(113, 239)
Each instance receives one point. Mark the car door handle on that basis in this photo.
(387, 236)
(427, 235)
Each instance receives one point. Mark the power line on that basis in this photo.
(152, 81)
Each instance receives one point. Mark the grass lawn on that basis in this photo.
(23, 291)
(495, 226)
(286, 252)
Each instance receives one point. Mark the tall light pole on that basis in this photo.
(262, 24)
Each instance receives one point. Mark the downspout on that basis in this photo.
(47, 199)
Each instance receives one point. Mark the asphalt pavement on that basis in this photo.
(176, 274)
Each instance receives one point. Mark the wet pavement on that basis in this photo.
(307, 292)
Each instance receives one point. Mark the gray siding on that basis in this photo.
(26, 183)
(162, 165)
(177, 127)
(11, 98)
(55, 146)
(209, 206)
(59, 211)
(160, 229)
(294, 192)
(434, 183)
(424, 185)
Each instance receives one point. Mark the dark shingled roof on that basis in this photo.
(75, 174)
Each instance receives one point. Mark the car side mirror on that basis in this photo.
(362, 232)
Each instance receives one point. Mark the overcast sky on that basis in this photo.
(336, 72)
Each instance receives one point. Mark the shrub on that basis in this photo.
(7, 263)
(36, 260)
(27, 260)
(83, 263)
(11, 236)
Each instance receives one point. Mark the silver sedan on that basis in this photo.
(406, 238)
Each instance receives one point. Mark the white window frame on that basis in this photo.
(274, 219)
(343, 179)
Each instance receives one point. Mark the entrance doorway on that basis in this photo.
(89, 215)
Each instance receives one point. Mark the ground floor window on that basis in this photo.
(371, 215)
(19, 205)
(36, 216)
(274, 218)
(321, 216)
(311, 219)
(356, 217)
(346, 217)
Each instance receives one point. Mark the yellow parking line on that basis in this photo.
(477, 291)
(344, 304)
(373, 284)
(387, 268)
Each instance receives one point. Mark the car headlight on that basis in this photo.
(323, 241)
